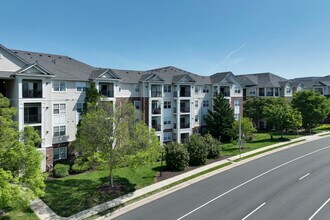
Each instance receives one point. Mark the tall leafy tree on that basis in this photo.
(21, 177)
(219, 121)
(247, 128)
(280, 113)
(112, 139)
(92, 96)
(313, 106)
(253, 108)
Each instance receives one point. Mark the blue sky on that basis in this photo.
(290, 38)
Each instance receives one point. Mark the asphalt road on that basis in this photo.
(290, 184)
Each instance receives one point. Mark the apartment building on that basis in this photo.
(49, 90)
(317, 84)
(268, 85)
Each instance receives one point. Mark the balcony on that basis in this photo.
(156, 111)
(185, 125)
(185, 91)
(185, 106)
(32, 88)
(157, 127)
(156, 123)
(106, 89)
(225, 91)
(156, 91)
(156, 107)
(32, 113)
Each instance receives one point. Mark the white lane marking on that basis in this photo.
(304, 176)
(254, 211)
(317, 211)
(246, 182)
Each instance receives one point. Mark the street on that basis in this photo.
(290, 184)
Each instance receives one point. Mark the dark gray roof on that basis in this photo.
(218, 77)
(246, 81)
(5, 74)
(309, 82)
(63, 67)
(264, 79)
(129, 76)
(172, 74)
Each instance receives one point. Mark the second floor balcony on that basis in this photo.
(106, 89)
(225, 91)
(156, 91)
(32, 89)
(32, 113)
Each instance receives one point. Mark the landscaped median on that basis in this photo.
(82, 194)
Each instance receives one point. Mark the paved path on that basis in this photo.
(44, 212)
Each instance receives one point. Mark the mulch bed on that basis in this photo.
(168, 174)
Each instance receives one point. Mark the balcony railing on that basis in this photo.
(32, 119)
(156, 127)
(107, 93)
(185, 109)
(156, 111)
(184, 93)
(156, 94)
(225, 93)
(32, 94)
(184, 125)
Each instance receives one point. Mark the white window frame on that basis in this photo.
(57, 84)
(237, 90)
(196, 89)
(237, 102)
(81, 86)
(288, 89)
(167, 120)
(136, 88)
(60, 107)
(167, 88)
(137, 104)
(196, 118)
(167, 104)
(206, 103)
(81, 107)
(167, 136)
(60, 129)
(196, 103)
(206, 89)
(62, 153)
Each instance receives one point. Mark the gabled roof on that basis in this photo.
(308, 82)
(182, 78)
(263, 79)
(222, 77)
(102, 73)
(151, 77)
(172, 74)
(37, 67)
(63, 67)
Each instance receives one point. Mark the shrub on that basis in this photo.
(213, 147)
(176, 156)
(61, 170)
(80, 167)
(197, 150)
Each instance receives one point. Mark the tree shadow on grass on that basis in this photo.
(274, 140)
(67, 197)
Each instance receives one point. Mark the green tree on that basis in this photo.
(176, 156)
(253, 108)
(219, 121)
(197, 150)
(313, 106)
(92, 96)
(247, 128)
(112, 139)
(280, 113)
(21, 177)
(213, 145)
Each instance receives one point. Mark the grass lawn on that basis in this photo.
(20, 215)
(70, 195)
(260, 140)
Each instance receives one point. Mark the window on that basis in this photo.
(261, 91)
(167, 120)
(236, 116)
(252, 91)
(196, 118)
(167, 88)
(81, 86)
(167, 104)
(167, 136)
(196, 103)
(319, 90)
(137, 105)
(59, 86)
(237, 102)
(205, 103)
(80, 107)
(60, 153)
(237, 89)
(206, 89)
(196, 89)
(58, 109)
(59, 130)
(288, 90)
(136, 88)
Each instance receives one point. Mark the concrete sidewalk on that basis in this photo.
(45, 213)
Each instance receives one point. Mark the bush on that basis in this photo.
(176, 156)
(197, 150)
(61, 170)
(80, 167)
(213, 147)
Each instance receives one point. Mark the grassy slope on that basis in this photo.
(20, 215)
(69, 195)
